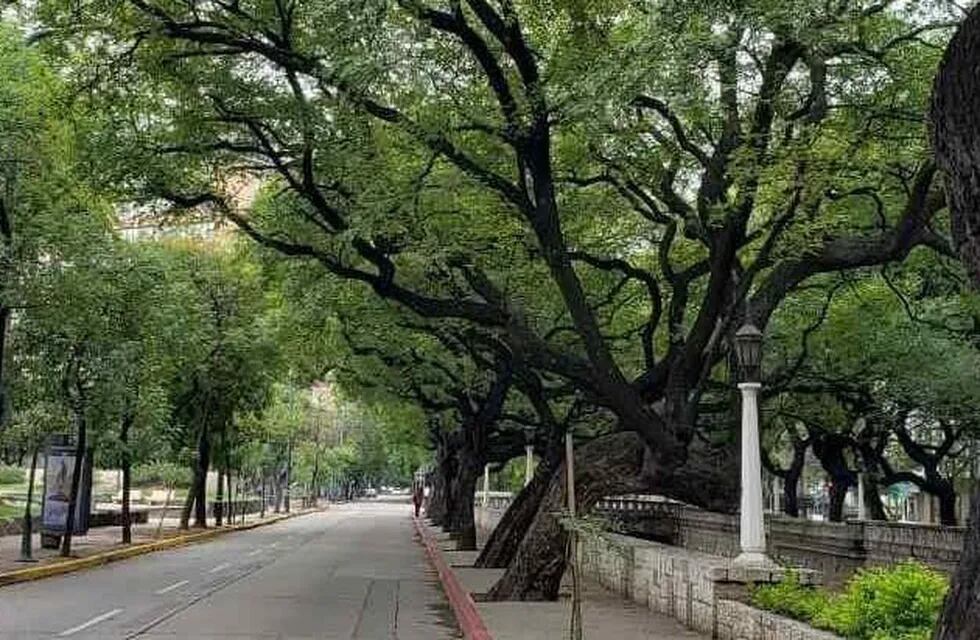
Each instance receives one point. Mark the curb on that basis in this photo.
(105, 557)
(467, 615)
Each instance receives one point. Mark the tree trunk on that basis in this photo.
(201, 478)
(219, 497)
(127, 524)
(830, 449)
(960, 619)
(27, 528)
(4, 399)
(838, 495)
(185, 512)
(956, 138)
(438, 497)
(872, 499)
(289, 472)
(462, 518)
(506, 537)
(76, 481)
(500, 548)
(610, 465)
(947, 503)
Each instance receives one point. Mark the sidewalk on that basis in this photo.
(97, 540)
(604, 614)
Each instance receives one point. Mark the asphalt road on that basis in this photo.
(353, 571)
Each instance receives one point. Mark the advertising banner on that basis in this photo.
(58, 469)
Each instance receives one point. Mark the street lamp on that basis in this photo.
(528, 454)
(752, 524)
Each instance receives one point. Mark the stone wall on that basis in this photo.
(486, 519)
(692, 587)
(835, 549)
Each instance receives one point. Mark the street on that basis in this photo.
(353, 571)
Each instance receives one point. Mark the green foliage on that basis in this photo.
(898, 603)
(901, 602)
(11, 475)
(166, 474)
(790, 598)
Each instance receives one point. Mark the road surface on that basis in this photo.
(353, 571)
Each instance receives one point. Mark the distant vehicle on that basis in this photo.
(371, 493)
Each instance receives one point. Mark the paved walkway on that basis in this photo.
(605, 615)
(353, 571)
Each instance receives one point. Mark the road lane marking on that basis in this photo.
(176, 585)
(220, 567)
(93, 621)
(254, 553)
(273, 545)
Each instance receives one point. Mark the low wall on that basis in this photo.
(12, 527)
(693, 587)
(837, 550)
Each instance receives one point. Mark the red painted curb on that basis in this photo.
(467, 616)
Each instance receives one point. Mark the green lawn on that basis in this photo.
(9, 511)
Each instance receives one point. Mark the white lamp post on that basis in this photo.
(752, 524)
(486, 484)
(528, 454)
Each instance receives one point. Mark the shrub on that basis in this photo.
(11, 475)
(790, 598)
(161, 474)
(901, 602)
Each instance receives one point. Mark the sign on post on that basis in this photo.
(59, 467)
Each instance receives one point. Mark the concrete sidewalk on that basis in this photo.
(604, 614)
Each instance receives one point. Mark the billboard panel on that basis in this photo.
(58, 469)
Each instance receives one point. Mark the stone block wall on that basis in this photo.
(837, 550)
(937, 546)
(689, 586)
(739, 621)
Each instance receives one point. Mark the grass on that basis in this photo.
(9, 511)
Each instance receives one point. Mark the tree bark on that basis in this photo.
(501, 547)
(872, 499)
(947, 509)
(200, 487)
(127, 524)
(610, 465)
(462, 519)
(27, 528)
(956, 139)
(960, 619)
(219, 497)
(838, 495)
(185, 512)
(830, 449)
(76, 481)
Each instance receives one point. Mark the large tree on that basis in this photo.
(669, 170)
(956, 137)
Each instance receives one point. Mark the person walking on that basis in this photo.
(417, 496)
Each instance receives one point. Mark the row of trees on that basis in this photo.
(527, 218)
(153, 352)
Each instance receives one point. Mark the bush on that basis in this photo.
(11, 475)
(901, 602)
(790, 598)
(159, 474)
(894, 603)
